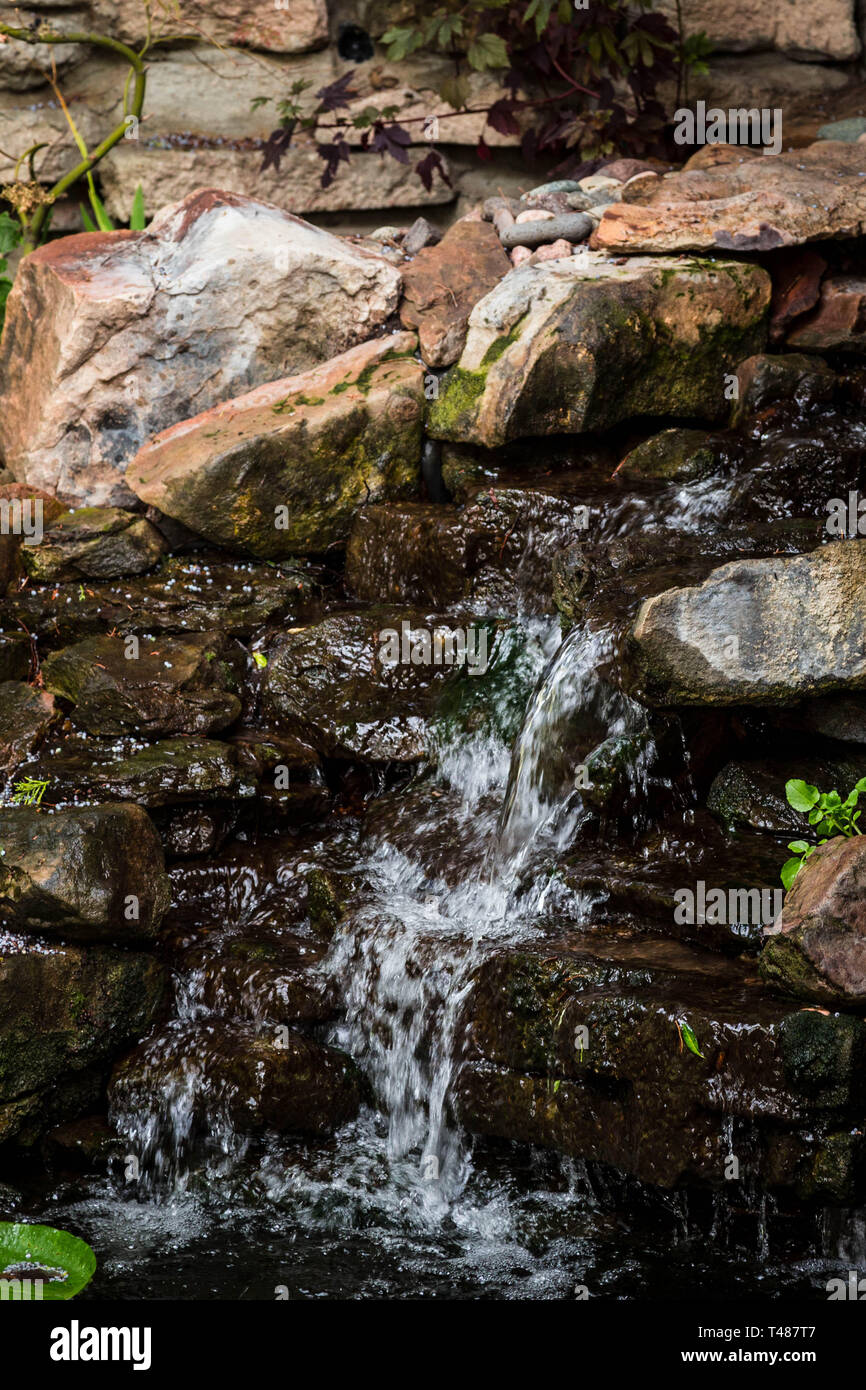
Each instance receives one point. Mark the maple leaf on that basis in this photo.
(276, 146)
(392, 140)
(428, 166)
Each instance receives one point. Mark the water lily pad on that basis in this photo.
(33, 1252)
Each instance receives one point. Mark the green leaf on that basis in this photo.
(691, 1041)
(455, 90)
(89, 224)
(103, 220)
(487, 51)
(45, 1246)
(801, 795)
(138, 218)
(10, 233)
(800, 846)
(260, 659)
(401, 42)
(790, 870)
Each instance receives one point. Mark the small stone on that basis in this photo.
(534, 215)
(389, 233)
(849, 130)
(574, 226)
(553, 251)
(422, 233)
(520, 255)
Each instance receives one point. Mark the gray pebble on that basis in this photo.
(572, 226)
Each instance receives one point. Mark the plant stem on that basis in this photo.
(136, 62)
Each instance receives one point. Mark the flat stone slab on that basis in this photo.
(818, 193)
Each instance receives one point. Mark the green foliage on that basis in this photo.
(102, 222)
(828, 815)
(67, 1263)
(10, 235)
(690, 1040)
(138, 216)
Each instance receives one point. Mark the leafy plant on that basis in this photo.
(576, 84)
(63, 1263)
(10, 235)
(103, 223)
(828, 815)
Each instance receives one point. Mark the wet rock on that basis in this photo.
(838, 322)
(797, 275)
(752, 792)
(255, 1082)
(186, 595)
(264, 980)
(443, 285)
(180, 686)
(26, 715)
(841, 717)
(282, 470)
(757, 632)
(684, 455)
(94, 874)
(328, 683)
(187, 832)
(146, 322)
(16, 656)
(547, 347)
(569, 227)
(803, 195)
(289, 772)
(579, 1049)
(68, 1010)
(94, 543)
(87, 1143)
(27, 511)
(166, 773)
(818, 948)
(765, 380)
(495, 554)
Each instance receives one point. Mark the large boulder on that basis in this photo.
(585, 343)
(769, 631)
(282, 470)
(818, 193)
(817, 948)
(110, 336)
(63, 1011)
(181, 686)
(87, 874)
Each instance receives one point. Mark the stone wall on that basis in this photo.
(200, 127)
